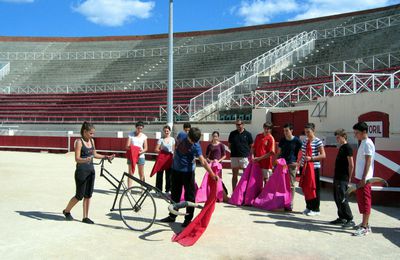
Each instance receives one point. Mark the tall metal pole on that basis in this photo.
(170, 94)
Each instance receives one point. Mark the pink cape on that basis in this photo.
(249, 186)
(276, 193)
(204, 191)
(163, 162)
(133, 155)
(196, 228)
(196, 188)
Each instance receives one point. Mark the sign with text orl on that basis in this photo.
(375, 128)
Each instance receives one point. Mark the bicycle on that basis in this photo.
(137, 207)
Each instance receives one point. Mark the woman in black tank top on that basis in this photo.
(84, 174)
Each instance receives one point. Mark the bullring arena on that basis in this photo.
(330, 71)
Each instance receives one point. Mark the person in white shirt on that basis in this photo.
(166, 144)
(139, 139)
(364, 171)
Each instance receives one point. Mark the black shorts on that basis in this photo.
(84, 181)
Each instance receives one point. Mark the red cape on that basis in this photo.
(163, 162)
(133, 155)
(196, 228)
(307, 180)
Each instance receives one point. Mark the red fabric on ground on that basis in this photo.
(307, 180)
(163, 162)
(133, 156)
(196, 228)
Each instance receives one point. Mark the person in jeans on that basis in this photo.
(240, 142)
(288, 149)
(364, 171)
(183, 175)
(317, 155)
(166, 144)
(344, 166)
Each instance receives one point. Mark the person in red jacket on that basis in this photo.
(264, 149)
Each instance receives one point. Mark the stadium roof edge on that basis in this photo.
(188, 34)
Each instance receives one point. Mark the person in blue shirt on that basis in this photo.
(186, 150)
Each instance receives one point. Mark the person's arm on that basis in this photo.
(144, 147)
(128, 143)
(207, 167)
(368, 161)
(100, 156)
(223, 153)
(351, 166)
(321, 155)
(157, 148)
(208, 152)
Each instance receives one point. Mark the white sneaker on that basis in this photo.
(306, 211)
(313, 213)
(362, 231)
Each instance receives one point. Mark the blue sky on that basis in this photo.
(140, 17)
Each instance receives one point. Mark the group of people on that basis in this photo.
(302, 157)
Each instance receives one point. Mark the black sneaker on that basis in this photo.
(349, 224)
(168, 219)
(186, 223)
(87, 221)
(338, 221)
(67, 215)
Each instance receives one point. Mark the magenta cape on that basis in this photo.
(276, 193)
(163, 162)
(196, 228)
(249, 186)
(133, 155)
(204, 191)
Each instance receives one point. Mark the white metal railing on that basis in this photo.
(361, 27)
(341, 84)
(114, 87)
(272, 61)
(4, 69)
(179, 110)
(374, 62)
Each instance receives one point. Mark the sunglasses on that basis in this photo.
(239, 124)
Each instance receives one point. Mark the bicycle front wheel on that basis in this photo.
(137, 208)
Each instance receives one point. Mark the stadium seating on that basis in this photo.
(108, 107)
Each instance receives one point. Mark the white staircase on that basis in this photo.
(246, 79)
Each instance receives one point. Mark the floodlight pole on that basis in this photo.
(170, 94)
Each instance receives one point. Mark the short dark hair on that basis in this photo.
(194, 134)
(310, 126)
(361, 126)
(288, 125)
(341, 132)
(86, 126)
(268, 125)
(139, 123)
(167, 127)
(215, 132)
(187, 125)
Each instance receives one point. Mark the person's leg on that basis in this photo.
(168, 180)
(79, 191)
(316, 203)
(86, 204)
(337, 198)
(176, 188)
(345, 208)
(159, 180)
(131, 174)
(89, 187)
(292, 172)
(367, 205)
(188, 182)
(235, 174)
(141, 172)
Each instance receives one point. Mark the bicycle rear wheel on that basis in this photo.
(137, 208)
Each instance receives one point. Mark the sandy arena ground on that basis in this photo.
(35, 188)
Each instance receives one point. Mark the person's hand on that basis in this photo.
(215, 177)
(362, 183)
(256, 159)
(110, 157)
(308, 158)
(88, 159)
